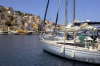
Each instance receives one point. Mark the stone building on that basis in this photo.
(37, 26)
(19, 22)
(3, 27)
(26, 18)
(10, 10)
(30, 25)
(31, 18)
(3, 16)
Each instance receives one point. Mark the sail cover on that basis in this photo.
(89, 23)
(83, 27)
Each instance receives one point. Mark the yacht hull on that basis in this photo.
(74, 54)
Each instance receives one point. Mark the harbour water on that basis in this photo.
(25, 50)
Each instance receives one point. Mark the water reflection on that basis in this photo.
(24, 50)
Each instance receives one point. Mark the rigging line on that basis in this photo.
(66, 12)
(57, 14)
(70, 12)
(48, 15)
(61, 15)
(84, 10)
(96, 9)
(59, 5)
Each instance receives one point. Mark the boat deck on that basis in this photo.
(72, 44)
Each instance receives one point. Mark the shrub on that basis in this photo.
(19, 12)
(8, 23)
(11, 17)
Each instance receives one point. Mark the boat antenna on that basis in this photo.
(45, 15)
(57, 14)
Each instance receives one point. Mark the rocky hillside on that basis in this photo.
(22, 20)
(11, 18)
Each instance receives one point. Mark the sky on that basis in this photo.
(84, 9)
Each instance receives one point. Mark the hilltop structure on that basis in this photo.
(22, 21)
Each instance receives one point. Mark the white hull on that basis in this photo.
(71, 53)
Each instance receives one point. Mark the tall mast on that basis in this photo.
(45, 15)
(57, 15)
(65, 19)
(73, 12)
(66, 13)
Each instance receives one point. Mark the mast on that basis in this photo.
(73, 12)
(45, 16)
(66, 13)
(57, 15)
(65, 19)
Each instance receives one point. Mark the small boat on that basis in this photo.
(4, 32)
(28, 33)
(13, 33)
(0, 32)
(21, 32)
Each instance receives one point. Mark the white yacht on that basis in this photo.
(84, 48)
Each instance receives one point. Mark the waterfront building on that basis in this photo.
(35, 27)
(3, 27)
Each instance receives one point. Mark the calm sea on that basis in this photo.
(24, 50)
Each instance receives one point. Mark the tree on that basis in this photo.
(19, 12)
(8, 23)
(11, 17)
(1, 9)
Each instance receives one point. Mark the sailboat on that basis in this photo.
(82, 48)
